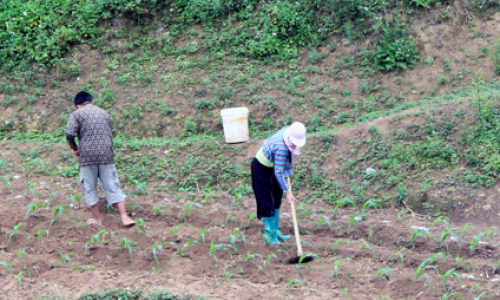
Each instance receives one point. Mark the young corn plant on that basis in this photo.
(337, 242)
(189, 209)
(34, 207)
(140, 226)
(322, 222)
(7, 265)
(129, 245)
(78, 198)
(16, 231)
(442, 219)
(66, 257)
(386, 272)
(7, 184)
(202, 233)
(294, 283)
(490, 232)
(59, 211)
(41, 232)
(447, 234)
(366, 245)
(157, 248)
(358, 218)
(181, 252)
(453, 296)
(373, 204)
(452, 272)
(426, 265)
(236, 237)
(420, 232)
(252, 217)
(337, 264)
(475, 242)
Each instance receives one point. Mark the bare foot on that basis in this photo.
(94, 222)
(127, 222)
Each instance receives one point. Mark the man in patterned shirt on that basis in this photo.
(270, 168)
(93, 127)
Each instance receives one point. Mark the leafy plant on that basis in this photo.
(395, 51)
(129, 245)
(58, 211)
(181, 252)
(155, 250)
(7, 265)
(189, 209)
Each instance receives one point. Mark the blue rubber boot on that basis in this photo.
(277, 219)
(271, 230)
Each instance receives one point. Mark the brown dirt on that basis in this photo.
(202, 275)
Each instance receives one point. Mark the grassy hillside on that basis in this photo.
(164, 70)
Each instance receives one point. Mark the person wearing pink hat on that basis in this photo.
(270, 169)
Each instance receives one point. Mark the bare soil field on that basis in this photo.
(364, 254)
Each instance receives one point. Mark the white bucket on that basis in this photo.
(235, 123)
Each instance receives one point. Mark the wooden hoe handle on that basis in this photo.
(295, 226)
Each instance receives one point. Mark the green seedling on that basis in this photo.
(41, 232)
(448, 233)
(59, 211)
(337, 242)
(31, 188)
(181, 252)
(96, 240)
(420, 232)
(322, 222)
(228, 276)
(189, 209)
(21, 252)
(345, 202)
(254, 256)
(303, 212)
(7, 265)
(140, 225)
(16, 231)
(130, 245)
(20, 277)
(451, 296)
(452, 272)
(34, 207)
(366, 245)
(235, 237)
(443, 219)
(155, 250)
(141, 186)
(78, 198)
(217, 247)
(230, 217)
(486, 293)
(158, 210)
(356, 219)
(464, 230)
(66, 257)
(294, 283)
(236, 199)
(202, 233)
(337, 264)
(372, 203)
(475, 242)
(425, 265)
(490, 232)
(252, 217)
(8, 184)
(386, 271)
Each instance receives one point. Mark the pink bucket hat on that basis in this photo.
(296, 134)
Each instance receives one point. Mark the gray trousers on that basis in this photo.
(109, 181)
